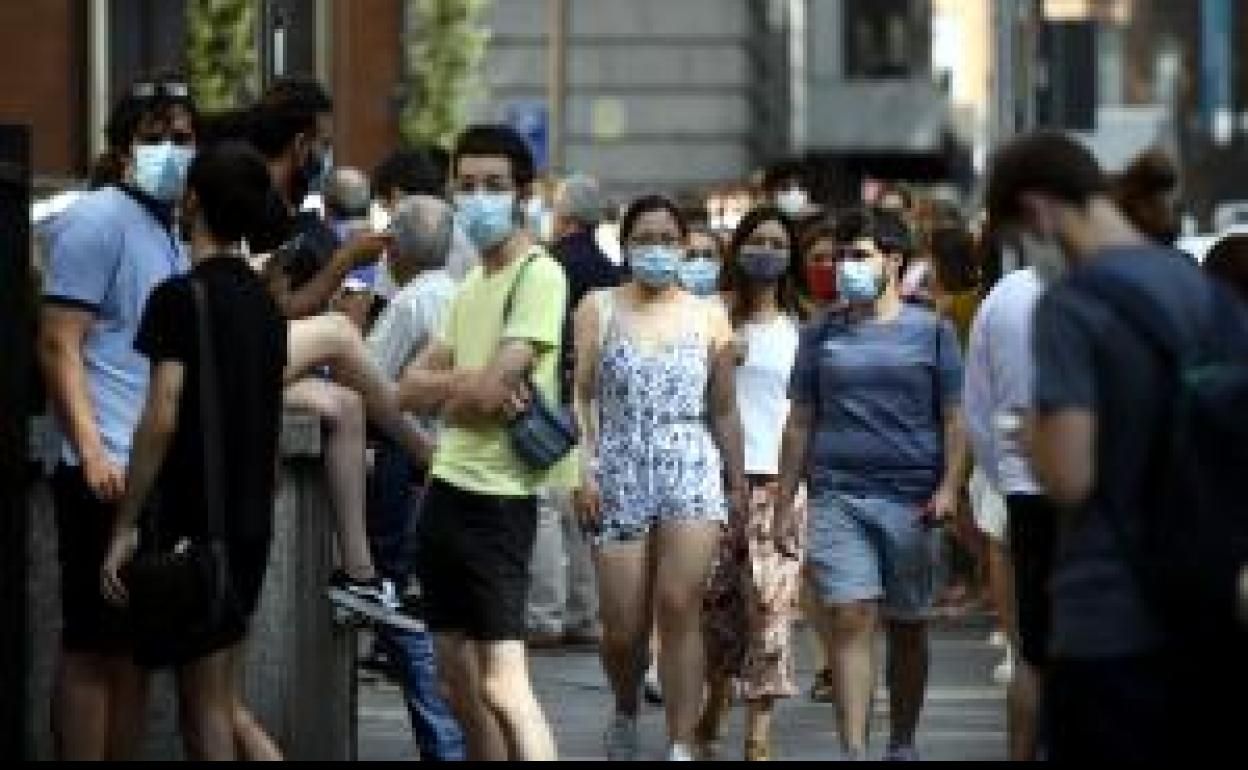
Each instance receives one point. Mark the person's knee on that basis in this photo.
(856, 619)
(678, 609)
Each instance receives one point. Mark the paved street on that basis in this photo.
(964, 719)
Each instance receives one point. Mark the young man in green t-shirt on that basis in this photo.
(480, 513)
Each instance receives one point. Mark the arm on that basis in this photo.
(725, 419)
(585, 382)
(1062, 445)
(151, 443)
(978, 400)
(311, 297)
(957, 466)
(429, 381)
(61, 333)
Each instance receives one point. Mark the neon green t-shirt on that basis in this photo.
(479, 458)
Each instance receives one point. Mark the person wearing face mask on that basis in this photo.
(755, 587)
(497, 351)
(105, 255)
(661, 468)
(700, 271)
(786, 187)
(1144, 573)
(876, 423)
(818, 266)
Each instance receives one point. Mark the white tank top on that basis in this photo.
(763, 390)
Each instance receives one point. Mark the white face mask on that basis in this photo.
(792, 201)
(1044, 255)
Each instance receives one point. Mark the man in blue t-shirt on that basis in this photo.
(105, 255)
(876, 427)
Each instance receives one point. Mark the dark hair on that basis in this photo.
(235, 196)
(106, 169)
(954, 257)
(148, 98)
(303, 94)
(225, 125)
(782, 171)
(1228, 261)
(289, 107)
(644, 205)
(496, 141)
(411, 172)
(886, 228)
(731, 279)
(1141, 192)
(1049, 163)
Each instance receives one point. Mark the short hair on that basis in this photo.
(347, 194)
(235, 195)
(410, 172)
(955, 258)
(146, 98)
(885, 228)
(1050, 163)
(1142, 190)
(1228, 261)
(582, 199)
(496, 141)
(646, 204)
(288, 108)
(782, 171)
(297, 93)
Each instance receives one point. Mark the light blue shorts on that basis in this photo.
(864, 549)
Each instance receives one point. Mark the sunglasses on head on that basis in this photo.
(166, 89)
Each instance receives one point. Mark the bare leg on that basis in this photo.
(251, 741)
(207, 697)
(684, 552)
(344, 463)
(458, 668)
(81, 707)
(332, 340)
(853, 633)
(907, 678)
(758, 727)
(128, 711)
(623, 591)
(509, 696)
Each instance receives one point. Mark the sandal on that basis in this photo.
(823, 690)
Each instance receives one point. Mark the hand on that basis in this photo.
(106, 479)
(120, 552)
(587, 503)
(500, 396)
(941, 507)
(365, 249)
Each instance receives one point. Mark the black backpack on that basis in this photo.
(1192, 542)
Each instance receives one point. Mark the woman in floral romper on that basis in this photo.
(662, 467)
(755, 587)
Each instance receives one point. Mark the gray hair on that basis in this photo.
(422, 230)
(347, 194)
(579, 197)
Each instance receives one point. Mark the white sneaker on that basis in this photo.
(679, 752)
(998, 640)
(621, 739)
(651, 690)
(1003, 673)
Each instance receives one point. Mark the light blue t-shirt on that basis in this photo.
(880, 391)
(105, 254)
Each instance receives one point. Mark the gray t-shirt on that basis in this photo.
(105, 255)
(1087, 358)
(880, 391)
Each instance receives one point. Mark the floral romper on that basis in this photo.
(657, 459)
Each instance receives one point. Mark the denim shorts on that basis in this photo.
(868, 548)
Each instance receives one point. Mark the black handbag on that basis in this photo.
(184, 587)
(544, 433)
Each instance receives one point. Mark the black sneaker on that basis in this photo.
(375, 600)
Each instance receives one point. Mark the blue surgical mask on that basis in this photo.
(656, 267)
(700, 276)
(160, 170)
(793, 201)
(857, 281)
(486, 218)
(762, 265)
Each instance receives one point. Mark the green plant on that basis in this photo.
(442, 58)
(221, 52)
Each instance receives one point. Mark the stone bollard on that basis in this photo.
(300, 675)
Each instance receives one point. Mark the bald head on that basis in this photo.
(422, 232)
(347, 194)
(578, 203)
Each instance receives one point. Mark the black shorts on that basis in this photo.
(1033, 540)
(474, 562)
(84, 530)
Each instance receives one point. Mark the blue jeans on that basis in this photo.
(391, 506)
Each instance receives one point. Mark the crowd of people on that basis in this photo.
(666, 431)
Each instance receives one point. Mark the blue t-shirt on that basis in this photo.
(105, 255)
(880, 391)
